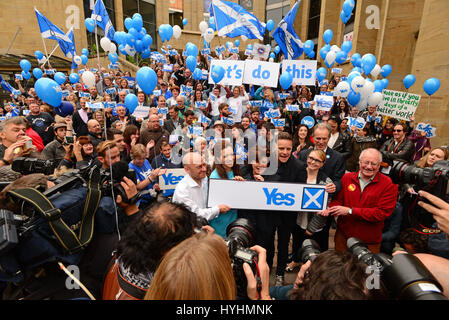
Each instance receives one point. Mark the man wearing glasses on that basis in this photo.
(366, 199)
(399, 147)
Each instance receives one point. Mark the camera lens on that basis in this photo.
(309, 250)
(242, 231)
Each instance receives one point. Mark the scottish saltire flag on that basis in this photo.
(286, 37)
(52, 32)
(100, 15)
(232, 20)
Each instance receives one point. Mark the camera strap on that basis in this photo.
(64, 234)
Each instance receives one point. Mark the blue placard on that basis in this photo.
(228, 121)
(205, 51)
(206, 120)
(268, 104)
(65, 93)
(292, 107)
(278, 122)
(167, 68)
(308, 121)
(234, 50)
(162, 110)
(157, 93)
(200, 104)
(111, 91)
(283, 96)
(256, 103)
(84, 94)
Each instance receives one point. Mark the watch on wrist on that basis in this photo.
(350, 211)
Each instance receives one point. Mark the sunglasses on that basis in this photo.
(397, 130)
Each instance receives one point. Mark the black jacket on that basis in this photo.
(343, 144)
(334, 167)
(403, 152)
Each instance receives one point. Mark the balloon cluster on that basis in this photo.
(308, 49)
(331, 54)
(207, 30)
(26, 66)
(39, 56)
(346, 12)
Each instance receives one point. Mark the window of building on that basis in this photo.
(147, 9)
(314, 19)
(88, 7)
(276, 10)
(349, 26)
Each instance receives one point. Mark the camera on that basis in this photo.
(32, 165)
(433, 180)
(239, 238)
(309, 250)
(404, 275)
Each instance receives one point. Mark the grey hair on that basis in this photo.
(371, 150)
(322, 126)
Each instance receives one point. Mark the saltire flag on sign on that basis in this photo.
(232, 20)
(52, 32)
(101, 17)
(286, 37)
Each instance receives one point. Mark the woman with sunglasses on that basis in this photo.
(308, 224)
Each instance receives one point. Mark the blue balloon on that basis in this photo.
(49, 91)
(25, 65)
(368, 63)
(341, 57)
(197, 74)
(137, 22)
(346, 46)
(354, 59)
(191, 50)
(386, 70)
(351, 76)
(146, 79)
(133, 32)
(146, 53)
(385, 82)
(139, 46)
(353, 98)
(328, 35)
(65, 109)
(121, 49)
(277, 49)
(85, 52)
(323, 52)
(147, 40)
(286, 80)
(272, 55)
(270, 25)
(128, 23)
(142, 33)
(90, 24)
(184, 21)
(431, 86)
(137, 15)
(348, 7)
(26, 75)
(38, 54)
(37, 73)
(357, 69)
(191, 63)
(113, 57)
(131, 102)
(59, 77)
(378, 85)
(217, 73)
(237, 42)
(343, 17)
(308, 46)
(74, 78)
(311, 54)
(249, 47)
(409, 80)
(130, 40)
(84, 59)
(321, 74)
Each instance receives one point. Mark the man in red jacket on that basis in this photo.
(366, 199)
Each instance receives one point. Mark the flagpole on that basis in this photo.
(215, 17)
(43, 42)
(96, 38)
(51, 53)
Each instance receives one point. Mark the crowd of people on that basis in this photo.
(159, 255)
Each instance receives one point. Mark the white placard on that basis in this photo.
(261, 51)
(275, 196)
(141, 112)
(302, 71)
(233, 72)
(261, 73)
(171, 178)
(323, 102)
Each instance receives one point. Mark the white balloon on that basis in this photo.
(363, 103)
(130, 50)
(354, 72)
(243, 37)
(105, 43)
(343, 88)
(335, 48)
(375, 99)
(209, 35)
(177, 31)
(77, 60)
(203, 26)
(88, 79)
(368, 88)
(376, 70)
(112, 48)
(330, 57)
(357, 83)
(270, 60)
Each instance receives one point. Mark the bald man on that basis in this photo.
(193, 188)
(94, 128)
(154, 132)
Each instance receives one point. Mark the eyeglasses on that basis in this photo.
(314, 160)
(366, 163)
(397, 130)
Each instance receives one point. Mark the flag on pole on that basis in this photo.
(101, 17)
(50, 31)
(232, 20)
(286, 37)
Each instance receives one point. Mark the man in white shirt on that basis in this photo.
(192, 189)
(215, 99)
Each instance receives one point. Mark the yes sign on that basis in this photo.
(171, 178)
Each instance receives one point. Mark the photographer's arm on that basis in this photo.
(264, 276)
(131, 190)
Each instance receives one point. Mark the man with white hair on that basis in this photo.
(192, 189)
(366, 199)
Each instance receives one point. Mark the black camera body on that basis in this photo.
(239, 238)
(404, 275)
(32, 165)
(309, 250)
(433, 180)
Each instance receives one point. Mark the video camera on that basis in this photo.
(404, 275)
(32, 165)
(433, 180)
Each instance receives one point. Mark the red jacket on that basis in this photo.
(369, 209)
(36, 138)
